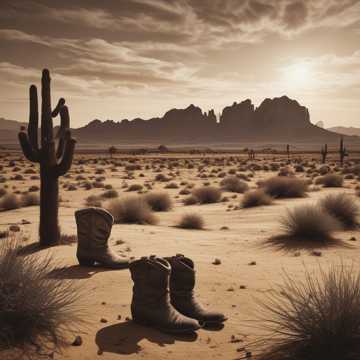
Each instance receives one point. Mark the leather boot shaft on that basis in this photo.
(182, 283)
(151, 304)
(94, 229)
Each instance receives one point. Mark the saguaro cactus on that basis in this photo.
(342, 151)
(288, 151)
(324, 152)
(54, 162)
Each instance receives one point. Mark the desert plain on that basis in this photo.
(237, 264)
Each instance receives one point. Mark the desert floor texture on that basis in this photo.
(249, 266)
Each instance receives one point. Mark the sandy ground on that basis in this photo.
(108, 292)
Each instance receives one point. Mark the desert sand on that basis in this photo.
(249, 268)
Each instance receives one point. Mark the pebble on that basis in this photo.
(216, 262)
(252, 263)
(14, 228)
(316, 253)
(103, 320)
(78, 341)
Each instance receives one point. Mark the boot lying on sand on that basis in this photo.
(94, 228)
(151, 302)
(182, 283)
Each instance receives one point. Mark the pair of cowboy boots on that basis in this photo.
(94, 229)
(163, 295)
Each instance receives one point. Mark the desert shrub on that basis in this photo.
(324, 169)
(109, 194)
(184, 192)
(191, 221)
(135, 187)
(190, 200)
(159, 201)
(331, 180)
(93, 201)
(36, 311)
(234, 184)
(30, 199)
(207, 194)
(343, 208)
(10, 202)
(161, 177)
(314, 318)
(309, 222)
(256, 198)
(285, 187)
(132, 210)
(68, 239)
(171, 185)
(33, 188)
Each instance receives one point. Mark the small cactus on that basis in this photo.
(54, 161)
(342, 151)
(324, 152)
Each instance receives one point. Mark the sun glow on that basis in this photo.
(298, 74)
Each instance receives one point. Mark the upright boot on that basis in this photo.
(150, 304)
(94, 228)
(182, 283)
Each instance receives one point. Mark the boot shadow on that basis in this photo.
(76, 272)
(124, 338)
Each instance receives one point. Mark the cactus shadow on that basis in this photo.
(124, 338)
(76, 272)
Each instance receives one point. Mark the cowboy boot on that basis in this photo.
(150, 304)
(182, 283)
(94, 228)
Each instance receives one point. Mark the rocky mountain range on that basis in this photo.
(350, 131)
(275, 120)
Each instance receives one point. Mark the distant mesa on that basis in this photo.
(277, 120)
(349, 131)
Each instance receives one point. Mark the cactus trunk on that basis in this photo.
(49, 230)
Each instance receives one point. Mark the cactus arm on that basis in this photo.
(58, 107)
(30, 153)
(33, 118)
(65, 163)
(46, 118)
(64, 127)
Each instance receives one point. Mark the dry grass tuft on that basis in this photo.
(342, 207)
(256, 198)
(10, 202)
(285, 187)
(36, 312)
(132, 210)
(191, 221)
(309, 222)
(207, 194)
(159, 201)
(234, 184)
(316, 318)
(331, 180)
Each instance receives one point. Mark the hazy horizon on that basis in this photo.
(139, 58)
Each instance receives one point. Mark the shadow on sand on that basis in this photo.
(76, 272)
(290, 243)
(124, 338)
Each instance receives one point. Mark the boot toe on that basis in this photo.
(212, 318)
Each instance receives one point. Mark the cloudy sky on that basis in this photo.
(116, 59)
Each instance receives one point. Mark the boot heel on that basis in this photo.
(86, 262)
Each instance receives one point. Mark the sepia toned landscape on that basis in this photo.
(197, 226)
